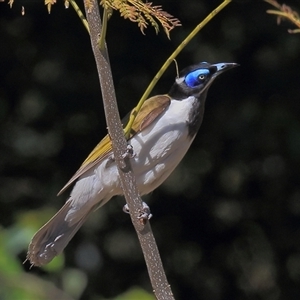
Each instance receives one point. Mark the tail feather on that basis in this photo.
(54, 236)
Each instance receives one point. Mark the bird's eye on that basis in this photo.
(196, 77)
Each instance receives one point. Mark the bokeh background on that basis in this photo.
(227, 222)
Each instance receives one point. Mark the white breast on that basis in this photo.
(161, 146)
(158, 150)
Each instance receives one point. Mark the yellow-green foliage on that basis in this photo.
(143, 14)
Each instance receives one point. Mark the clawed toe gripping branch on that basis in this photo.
(145, 214)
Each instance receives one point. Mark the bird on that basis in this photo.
(161, 134)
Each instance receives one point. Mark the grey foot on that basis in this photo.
(129, 152)
(145, 214)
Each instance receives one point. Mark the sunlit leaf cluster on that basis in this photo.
(143, 14)
(285, 12)
(49, 4)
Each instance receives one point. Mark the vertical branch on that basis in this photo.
(158, 278)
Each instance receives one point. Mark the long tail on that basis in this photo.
(54, 236)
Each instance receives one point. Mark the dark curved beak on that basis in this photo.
(222, 67)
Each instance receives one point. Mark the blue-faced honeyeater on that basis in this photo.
(161, 134)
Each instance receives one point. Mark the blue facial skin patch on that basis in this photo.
(193, 80)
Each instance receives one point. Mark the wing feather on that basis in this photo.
(150, 111)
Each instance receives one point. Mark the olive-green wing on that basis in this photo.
(151, 109)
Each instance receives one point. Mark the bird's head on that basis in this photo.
(196, 79)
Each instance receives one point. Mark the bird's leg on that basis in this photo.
(129, 152)
(126, 209)
(145, 213)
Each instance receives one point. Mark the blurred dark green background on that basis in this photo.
(227, 222)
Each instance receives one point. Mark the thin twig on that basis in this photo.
(101, 41)
(80, 15)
